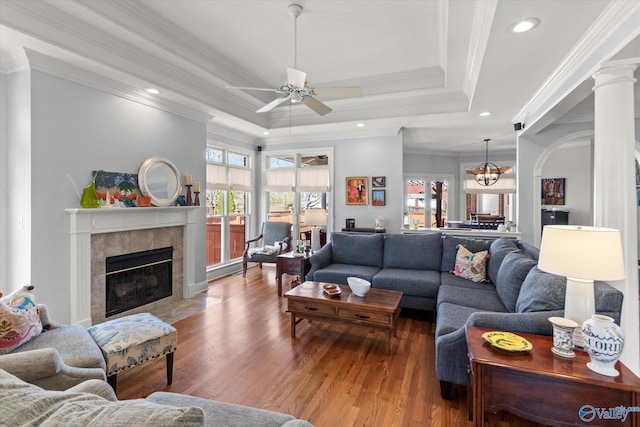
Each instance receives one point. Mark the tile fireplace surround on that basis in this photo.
(129, 224)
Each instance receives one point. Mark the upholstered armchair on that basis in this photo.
(58, 358)
(274, 239)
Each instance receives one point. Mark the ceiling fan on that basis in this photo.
(297, 89)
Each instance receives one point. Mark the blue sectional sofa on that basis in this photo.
(516, 297)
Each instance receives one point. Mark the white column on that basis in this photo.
(614, 185)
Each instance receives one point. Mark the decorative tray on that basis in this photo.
(507, 341)
(331, 289)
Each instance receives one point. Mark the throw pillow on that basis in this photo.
(19, 320)
(471, 266)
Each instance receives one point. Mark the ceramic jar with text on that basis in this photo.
(603, 340)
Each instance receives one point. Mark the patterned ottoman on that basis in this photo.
(132, 340)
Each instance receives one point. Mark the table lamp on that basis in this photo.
(315, 218)
(582, 254)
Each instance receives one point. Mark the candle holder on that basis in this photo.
(196, 201)
(188, 194)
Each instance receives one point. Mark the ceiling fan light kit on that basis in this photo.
(297, 89)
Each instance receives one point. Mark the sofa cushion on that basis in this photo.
(452, 317)
(357, 249)
(482, 299)
(471, 266)
(513, 271)
(26, 404)
(338, 273)
(19, 320)
(73, 343)
(451, 279)
(498, 250)
(413, 251)
(541, 291)
(450, 249)
(422, 283)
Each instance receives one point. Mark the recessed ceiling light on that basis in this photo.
(485, 114)
(152, 90)
(266, 132)
(525, 25)
(360, 125)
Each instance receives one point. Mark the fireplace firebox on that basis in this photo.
(137, 279)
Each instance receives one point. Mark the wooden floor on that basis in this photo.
(240, 351)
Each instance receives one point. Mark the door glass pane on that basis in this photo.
(415, 201)
(281, 206)
(214, 240)
(439, 203)
(237, 236)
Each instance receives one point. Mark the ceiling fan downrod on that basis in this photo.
(295, 10)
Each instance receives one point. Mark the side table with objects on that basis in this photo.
(289, 263)
(537, 385)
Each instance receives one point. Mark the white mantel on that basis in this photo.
(85, 222)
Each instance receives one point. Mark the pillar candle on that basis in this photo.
(196, 187)
(187, 179)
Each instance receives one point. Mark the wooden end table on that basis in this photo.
(289, 264)
(378, 309)
(542, 387)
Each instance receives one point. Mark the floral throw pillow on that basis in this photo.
(19, 320)
(471, 266)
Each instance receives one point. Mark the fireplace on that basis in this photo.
(97, 234)
(137, 279)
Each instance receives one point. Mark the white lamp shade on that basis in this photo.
(582, 252)
(315, 217)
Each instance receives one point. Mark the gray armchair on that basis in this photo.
(274, 239)
(57, 359)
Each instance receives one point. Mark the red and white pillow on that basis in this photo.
(19, 319)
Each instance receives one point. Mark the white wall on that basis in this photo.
(16, 181)
(574, 162)
(75, 130)
(371, 156)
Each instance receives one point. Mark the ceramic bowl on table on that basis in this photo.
(358, 286)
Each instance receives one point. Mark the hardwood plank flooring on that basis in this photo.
(239, 350)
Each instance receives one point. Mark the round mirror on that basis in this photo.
(159, 179)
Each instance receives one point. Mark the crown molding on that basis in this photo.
(615, 27)
(14, 61)
(482, 20)
(55, 67)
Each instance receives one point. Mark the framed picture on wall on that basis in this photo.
(378, 197)
(378, 181)
(553, 191)
(357, 190)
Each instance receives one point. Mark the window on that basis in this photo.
(295, 183)
(227, 195)
(420, 189)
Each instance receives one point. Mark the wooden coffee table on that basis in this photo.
(379, 309)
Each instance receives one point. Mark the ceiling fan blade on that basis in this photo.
(316, 105)
(273, 104)
(296, 78)
(338, 92)
(251, 88)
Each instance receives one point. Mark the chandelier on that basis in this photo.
(487, 173)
